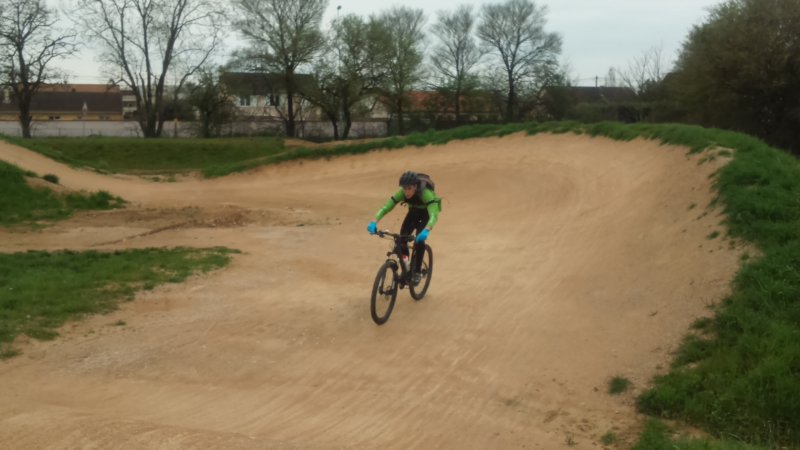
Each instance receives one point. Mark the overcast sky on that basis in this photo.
(597, 34)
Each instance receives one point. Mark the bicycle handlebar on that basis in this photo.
(385, 233)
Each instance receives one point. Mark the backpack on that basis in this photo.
(425, 181)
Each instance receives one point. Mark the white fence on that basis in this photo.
(309, 130)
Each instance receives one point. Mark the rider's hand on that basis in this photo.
(423, 236)
(372, 227)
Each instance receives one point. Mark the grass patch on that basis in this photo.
(618, 385)
(569, 439)
(609, 438)
(713, 235)
(702, 324)
(161, 156)
(20, 203)
(6, 352)
(656, 436)
(40, 291)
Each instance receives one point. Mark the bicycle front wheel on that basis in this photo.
(384, 293)
(426, 272)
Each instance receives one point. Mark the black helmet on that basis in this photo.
(409, 179)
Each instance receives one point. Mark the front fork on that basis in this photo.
(401, 278)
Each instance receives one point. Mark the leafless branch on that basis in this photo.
(150, 41)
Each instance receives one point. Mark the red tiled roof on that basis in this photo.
(427, 101)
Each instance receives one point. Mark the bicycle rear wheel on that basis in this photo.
(418, 291)
(384, 293)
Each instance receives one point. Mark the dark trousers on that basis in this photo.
(415, 220)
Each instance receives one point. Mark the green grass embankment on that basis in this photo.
(738, 376)
(40, 291)
(20, 203)
(154, 156)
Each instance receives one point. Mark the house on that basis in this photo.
(373, 107)
(475, 107)
(261, 103)
(68, 102)
(262, 96)
(129, 104)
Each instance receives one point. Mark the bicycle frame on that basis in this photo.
(400, 240)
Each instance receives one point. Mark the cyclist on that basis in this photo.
(423, 212)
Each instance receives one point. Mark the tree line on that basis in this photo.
(740, 69)
(160, 49)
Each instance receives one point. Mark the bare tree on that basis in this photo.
(404, 26)
(352, 67)
(456, 54)
(146, 41)
(515, 30)
(284, 35)
(646, 69)
(30, 43)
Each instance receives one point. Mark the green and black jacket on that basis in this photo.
(427, 200)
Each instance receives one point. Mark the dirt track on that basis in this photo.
(560, 261)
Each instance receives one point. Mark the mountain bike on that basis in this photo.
(394, 276)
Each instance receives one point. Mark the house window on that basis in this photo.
(244, 101)
(274, 100)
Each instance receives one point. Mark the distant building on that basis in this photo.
(68, 102)
(263, 95)
(477, 106)
(129, 105)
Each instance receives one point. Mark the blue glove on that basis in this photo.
(422, 236)
(372, 227)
